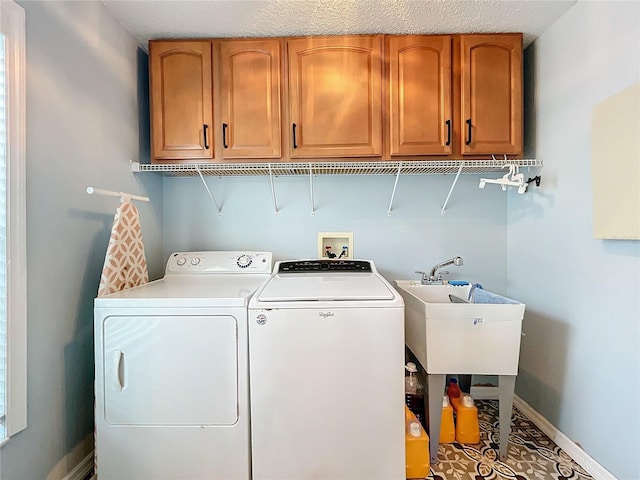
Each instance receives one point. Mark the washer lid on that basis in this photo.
(325, 286)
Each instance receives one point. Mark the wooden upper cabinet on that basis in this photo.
(250, 86)
(419, 109)
(335, 96)
(181, 100)
(491, 88)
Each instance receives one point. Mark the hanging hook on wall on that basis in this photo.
(535, 179)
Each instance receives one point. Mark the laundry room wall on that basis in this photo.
(415, 237)
(82, 130)
(580, 357)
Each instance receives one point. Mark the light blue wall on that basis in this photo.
(582, 326)
(580, 357)
(82, 129)
(414, 237)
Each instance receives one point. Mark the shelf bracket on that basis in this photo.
(453, 185)
(313, 207)
(213, 199)
(395, 185)
(273, 191)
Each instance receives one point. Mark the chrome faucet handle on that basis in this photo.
(425, 277)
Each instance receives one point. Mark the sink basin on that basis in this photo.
(482, 337)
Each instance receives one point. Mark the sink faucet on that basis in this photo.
(432, 279)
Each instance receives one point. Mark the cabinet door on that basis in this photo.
(335, 96)
(419, 95)
(491, 81)
(250, 98)
(181, 100)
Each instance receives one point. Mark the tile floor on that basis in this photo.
(531, 456)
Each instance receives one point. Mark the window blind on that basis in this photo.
(3, 232)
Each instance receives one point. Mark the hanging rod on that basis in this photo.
(124, 197)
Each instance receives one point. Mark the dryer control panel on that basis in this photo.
(219, 262)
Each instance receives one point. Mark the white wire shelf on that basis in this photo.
(408, 167)
(310, 169)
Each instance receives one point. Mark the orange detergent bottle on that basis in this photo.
(416, 447)
(447, 427)
(454, 393)
(467, 428)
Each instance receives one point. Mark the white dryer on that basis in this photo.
(326, 355)
(172, 399)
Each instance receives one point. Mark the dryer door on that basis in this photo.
(170, 370)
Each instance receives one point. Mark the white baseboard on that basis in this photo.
(82, 469)
(76, 463)
(565, 443)
(581, 457)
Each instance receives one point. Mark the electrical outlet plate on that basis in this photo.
(336, 241)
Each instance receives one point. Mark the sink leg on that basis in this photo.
(434, 411)
(506, 386)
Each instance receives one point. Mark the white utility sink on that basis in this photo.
(480, 337)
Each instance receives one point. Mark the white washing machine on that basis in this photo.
(172, 399)
(326, 355)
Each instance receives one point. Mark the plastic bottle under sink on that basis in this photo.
(454, 393)
(416, 447)
(447, 426)
(414, 393)
(467, 428)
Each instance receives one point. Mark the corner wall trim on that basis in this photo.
(82, 469)
(573, 450)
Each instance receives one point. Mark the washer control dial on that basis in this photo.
(181, 261)
(244, 261)
(195, 261)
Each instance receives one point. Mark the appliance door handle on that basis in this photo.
(117, 379)
(468, 141)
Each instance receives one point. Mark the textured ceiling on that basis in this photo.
(147, 19)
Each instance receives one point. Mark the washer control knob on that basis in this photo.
(181, 261)
(244, 261)
(195, 261)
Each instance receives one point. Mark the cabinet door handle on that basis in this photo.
(295, 145)
(206, 144)
(448, 123)
(224, 135)
(468, 141)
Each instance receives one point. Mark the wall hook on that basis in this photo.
(536, 179)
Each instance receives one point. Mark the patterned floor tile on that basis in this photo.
(531, 455)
